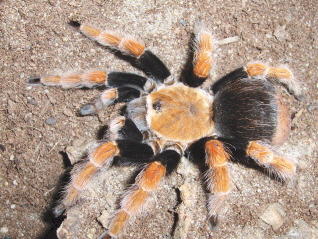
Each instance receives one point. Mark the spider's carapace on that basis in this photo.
(180, 113)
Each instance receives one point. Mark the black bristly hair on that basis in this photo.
(169, 158)
(246, 110)
(120, 79)
(126, 94)
(235, 75)
(134, 150)
(130, 131)
(153, 66)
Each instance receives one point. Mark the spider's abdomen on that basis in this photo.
(180, 113)
(250, 109)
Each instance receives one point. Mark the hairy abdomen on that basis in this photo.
(248, 110)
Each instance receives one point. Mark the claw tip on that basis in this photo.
(74, 24)
(34, 80)
(58, 210)
(213, 221)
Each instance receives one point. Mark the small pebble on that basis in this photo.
(104, 218)
(28, 117)
(302, 230)
(281, 33)
(91, 233)
(4, 230)
(68, 112)
(2, 148)
(50, 121)
(31, 101)
(183, 22)
(302, 164)
(88, 109)
(274, 216)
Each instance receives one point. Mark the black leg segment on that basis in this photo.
(153, 66)
(129, 131)
(122, 94)
(121, 79)
(126, 94)
(193, 80)
(169, 158)
(134, 150)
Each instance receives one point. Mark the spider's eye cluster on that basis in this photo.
(157, 105)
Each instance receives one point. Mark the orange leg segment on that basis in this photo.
(263, 69)
(101, 157)
(218, 179)
(146, 182)
(278, 166)
(126, 45)
(88, 79)
(282, 75)
(203, 54)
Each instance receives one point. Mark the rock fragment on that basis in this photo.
(274, 215)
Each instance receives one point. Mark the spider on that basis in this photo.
(164, 120)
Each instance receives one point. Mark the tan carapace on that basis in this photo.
(180, 113)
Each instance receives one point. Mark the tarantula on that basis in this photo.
(164, 119)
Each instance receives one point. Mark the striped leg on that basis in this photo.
(146, 183)
(122, 128)
(145, 59)
(108, 97)
(276, 165)
(281, 75)
(125, 86)
(72, 80)
(93, 79)
(218, 179)
(103, 156)
(202, 59)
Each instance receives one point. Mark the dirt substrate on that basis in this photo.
(38, 123)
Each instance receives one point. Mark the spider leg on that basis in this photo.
(122, 128)
(280, 75)
(94, 79)
(202, 60)
(276, 165)
(103, 156)
(146, 183)
(124, 86)
(108, 97)
(217, 177)
(71, 80)
(145, 59)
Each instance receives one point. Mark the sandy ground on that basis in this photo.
(36, 40)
